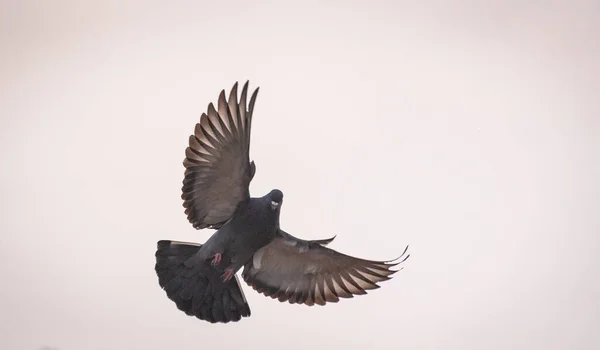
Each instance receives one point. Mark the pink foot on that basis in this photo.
(216, 259)
(227, 275)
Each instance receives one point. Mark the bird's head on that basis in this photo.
(275, 198)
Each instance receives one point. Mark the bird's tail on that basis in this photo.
(197, 288)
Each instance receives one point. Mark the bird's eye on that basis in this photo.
(274, 205)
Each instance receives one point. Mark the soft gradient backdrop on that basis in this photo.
(467, 129)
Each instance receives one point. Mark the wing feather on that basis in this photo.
(306, 272)
(217, 165)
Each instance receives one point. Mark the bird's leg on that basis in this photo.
(232, 268)
(216, 260)
(227, 275)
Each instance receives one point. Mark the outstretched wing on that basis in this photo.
(306, 272)
(218, 170)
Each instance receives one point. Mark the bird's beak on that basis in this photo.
(274, 205)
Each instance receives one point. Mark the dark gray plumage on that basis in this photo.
(201, 279)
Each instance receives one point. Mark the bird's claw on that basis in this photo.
(227, 275)
(216, 259)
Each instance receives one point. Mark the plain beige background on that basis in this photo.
(467, 129)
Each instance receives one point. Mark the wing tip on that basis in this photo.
(222, 96)
(396, 261)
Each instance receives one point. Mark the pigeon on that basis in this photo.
(201, 279)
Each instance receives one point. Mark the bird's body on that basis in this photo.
(200, 278)
(253, 225)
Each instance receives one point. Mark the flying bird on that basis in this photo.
(201, 278)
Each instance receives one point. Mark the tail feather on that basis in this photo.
(198, 289)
